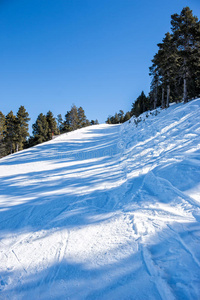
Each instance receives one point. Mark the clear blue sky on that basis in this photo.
(93, 53)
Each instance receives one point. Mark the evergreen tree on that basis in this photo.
(108, 121)
(140, 105)
(82, 120)
(121, 116)
(87, 123)
(186, 36)
(40, 130)
(21, 127)
(67, 123)
(96, 122)
(154, 72)
(116, 119)
(11, 135)
(74, 120)
(52, 125)
(60, 123)
(2, 134)
(127, 116)
(167, 62)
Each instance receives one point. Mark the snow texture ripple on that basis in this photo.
(105, 212)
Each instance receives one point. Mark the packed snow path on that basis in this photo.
(105, 212)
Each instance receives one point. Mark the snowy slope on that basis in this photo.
(105, 212)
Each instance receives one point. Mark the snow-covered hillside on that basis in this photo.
(105, 212)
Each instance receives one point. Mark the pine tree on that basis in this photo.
(40, 130)
(11, 135)
(67, 123)
(21, 127)
(140, 105)
(60, 123)
(108, 121)
(186, 35)
(121, 116)
(166, 60)
(52, 125)
(2, 134)
(74, 119)
(155, 74)
(127, 116)
(82, 120)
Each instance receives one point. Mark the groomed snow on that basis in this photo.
(105, 212)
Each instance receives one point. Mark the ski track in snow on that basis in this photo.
(105, 212)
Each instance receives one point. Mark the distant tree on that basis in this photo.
(60, 123)
(10, 135)
(82, 120)
(40, 130)
(22, 133)
(108, 121)
(75, 119)
(116, 119)
(94, 122)
(127, 117)
(121, 116)
(2, 135)
(140, 105)
(52, 125)
(67, 123)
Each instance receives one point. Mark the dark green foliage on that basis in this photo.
(52, 125)
(41, 129)
(118, 118)
(82, 120)
(2, 135)
(22, 133)
(60, 123)
(176, 65)
(96, 122)
(127, 117)
(11, 133)
(186, 36)
(75, 119)
(140, 105)
(14, 129)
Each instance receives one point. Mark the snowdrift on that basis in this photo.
(105, 212)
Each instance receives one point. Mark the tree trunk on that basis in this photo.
(163, 97)
(155, 97)
(185, 90)
(168, 94)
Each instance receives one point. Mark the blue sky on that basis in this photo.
(91, 53)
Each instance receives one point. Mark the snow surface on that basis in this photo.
(105, 212)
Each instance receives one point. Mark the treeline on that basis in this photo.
(120, 117)
(175, 69)
(47, 126)
(14, 133)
